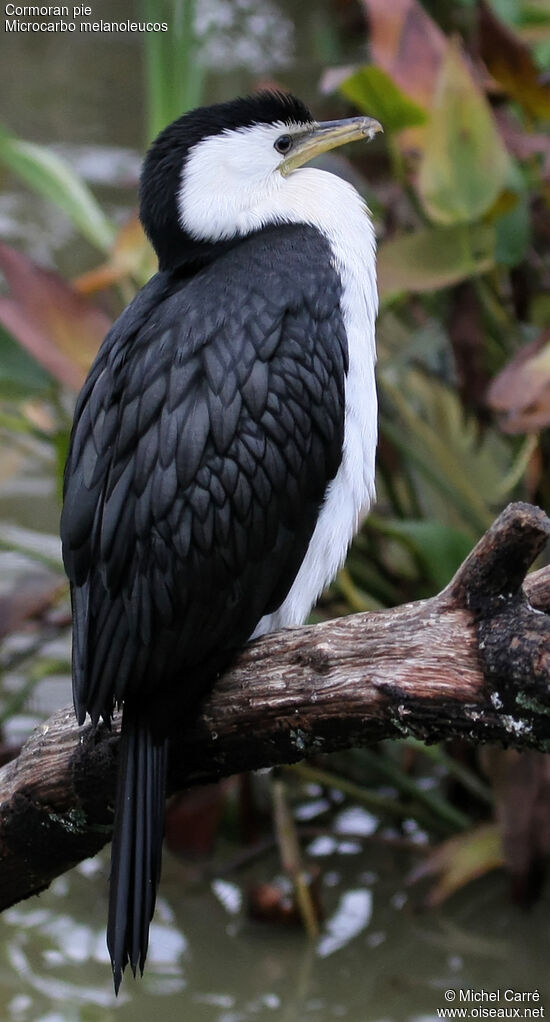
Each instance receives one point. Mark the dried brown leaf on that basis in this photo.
(132, 257)
(276, 902)
(460, 860)
(520, 394)
(510, 62)
(522, 787)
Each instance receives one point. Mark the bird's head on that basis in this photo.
(220, 172)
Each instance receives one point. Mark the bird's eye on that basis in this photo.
(283, 144)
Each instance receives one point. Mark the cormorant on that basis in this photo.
(222, 453)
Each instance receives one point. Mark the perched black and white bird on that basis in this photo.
(223, 447)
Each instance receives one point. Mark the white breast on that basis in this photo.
(336, 209)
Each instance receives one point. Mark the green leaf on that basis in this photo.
(174, 67)
(464, 165)
(20, 374)
(434, 257)
(513, 233)
(513, 226)
(376, 94)
(439, 547)
(50, 176)
(459, 473)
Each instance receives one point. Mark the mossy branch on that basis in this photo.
(472, 662)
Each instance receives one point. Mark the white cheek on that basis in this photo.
(226, 181)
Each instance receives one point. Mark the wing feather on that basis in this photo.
(202, 449)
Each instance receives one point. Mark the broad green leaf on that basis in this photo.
(459, 474)
(434, 257)
(20, 374)
(541, 53)
(513, 225)
(508, 10)
(464, 166)
(439, 547)
(513, 233)
(49, 175)
(376, 94)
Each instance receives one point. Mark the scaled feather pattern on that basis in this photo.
(204, 441)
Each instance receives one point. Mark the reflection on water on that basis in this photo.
(377, 957)
(352, 915)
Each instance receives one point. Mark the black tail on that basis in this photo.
(137, 844)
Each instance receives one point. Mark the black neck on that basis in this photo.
(185, 255)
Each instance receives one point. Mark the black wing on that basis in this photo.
(204, 440)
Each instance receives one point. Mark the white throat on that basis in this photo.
(216, 204)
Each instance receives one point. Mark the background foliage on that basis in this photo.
(459, 187)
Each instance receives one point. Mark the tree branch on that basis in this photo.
(472, 662)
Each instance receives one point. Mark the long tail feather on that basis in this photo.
(137, 844)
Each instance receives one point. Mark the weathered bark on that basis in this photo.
(472, 662)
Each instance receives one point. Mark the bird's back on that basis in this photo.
(203, 445)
